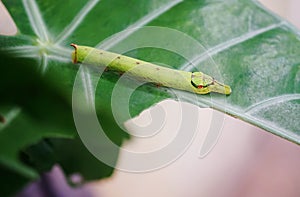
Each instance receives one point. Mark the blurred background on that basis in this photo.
(246, 161)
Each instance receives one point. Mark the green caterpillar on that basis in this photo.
(196, 82)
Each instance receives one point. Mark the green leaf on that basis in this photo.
(253, 51)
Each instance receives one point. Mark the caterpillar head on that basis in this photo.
(205, 84)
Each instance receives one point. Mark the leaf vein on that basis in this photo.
(88, 86)
(109, 43)
(36, 20)
(226, 45)
(76, 21)
(271, 101)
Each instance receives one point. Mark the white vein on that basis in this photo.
(23, 51)
(76, 21)
(60, 51)
(88, 86)
(271, 101)
(59, 58)
(109, 43)
(44, 63)
(36, 20)
(226, 45)
(19, 48)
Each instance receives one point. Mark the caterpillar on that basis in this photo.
(196, 82)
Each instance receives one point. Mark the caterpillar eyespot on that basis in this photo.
(196, 82)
